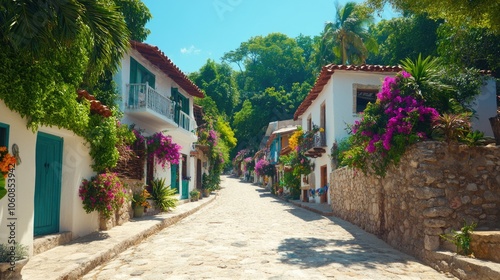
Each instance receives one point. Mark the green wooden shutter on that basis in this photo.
(133, 71)
(4, 135)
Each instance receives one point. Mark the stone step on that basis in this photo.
(47, 242)
(486, 245)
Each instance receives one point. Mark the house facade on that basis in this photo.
(157, 97)
(337, 98)
(44, 183)
(340, 94)
(43, 195)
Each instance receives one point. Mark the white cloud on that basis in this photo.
(191, 50)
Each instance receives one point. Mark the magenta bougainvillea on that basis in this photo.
(104, 193)
(163, 149)
(398, 118)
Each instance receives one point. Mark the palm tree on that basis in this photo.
(348, 36)
(36, 28)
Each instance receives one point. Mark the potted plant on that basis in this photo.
(164, 196)
(12, 260)
(139, 201)
(194, 195)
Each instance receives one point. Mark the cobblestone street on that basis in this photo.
(248, 234)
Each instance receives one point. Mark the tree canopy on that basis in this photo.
(348, 36)
(478, 14)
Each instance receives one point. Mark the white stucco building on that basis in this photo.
(157, 97)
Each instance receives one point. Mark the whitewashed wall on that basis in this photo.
(76, 166)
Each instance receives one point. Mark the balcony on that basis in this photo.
(314, 144)
(186, 122)
(145, 103)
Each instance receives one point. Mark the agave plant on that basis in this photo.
(164, 196)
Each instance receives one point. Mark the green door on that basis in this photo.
(174, 172)
(47, 183)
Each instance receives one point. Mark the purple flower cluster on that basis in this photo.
(261, 166)
(140, 141)
(212, 137)
(163, 149)
(104, 193)
(401, 114)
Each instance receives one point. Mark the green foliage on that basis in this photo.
(102, 138)
(218, 82)
(404, 37)
(20, 252)
(461, 239)
(449, 89)
(101, 23)
(468, 47)
(163, 195)
(347, 36)
(484, 14)
(136, 15)
(337, 152)
(452, 127)
(194, 194)
(271, 61)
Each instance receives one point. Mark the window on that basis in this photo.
(309, 123)
(140, 75)
(363, 94)
(4, 135)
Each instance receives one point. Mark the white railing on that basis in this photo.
(186, 122)
(141, 96)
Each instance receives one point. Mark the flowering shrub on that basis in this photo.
(259, 167)
(140, 199)
(249, 164)
(263, 167)
(163, 149)
(104, 193)
(397, 119)
(6, 163)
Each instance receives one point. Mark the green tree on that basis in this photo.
(348, 35)
(218, 82)
(136, 16)
(404, 37)
(39, 28)
(469, 47)
(479, 14)
(275, 60)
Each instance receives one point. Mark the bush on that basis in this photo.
(104, 193)
(163, 195)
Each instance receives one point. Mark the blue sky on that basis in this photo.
(191, 31)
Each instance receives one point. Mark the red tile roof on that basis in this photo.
(95, 105)
(325, 74)
(160, 60)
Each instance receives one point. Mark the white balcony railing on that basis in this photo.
(142, 96)
(186, 122)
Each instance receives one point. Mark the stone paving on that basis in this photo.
(248, 234)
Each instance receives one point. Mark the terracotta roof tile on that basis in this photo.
(160, 60)
(325, 74)
(95, 105)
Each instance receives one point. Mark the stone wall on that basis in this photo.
(433, 190)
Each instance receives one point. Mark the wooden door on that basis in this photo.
(47, 183)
